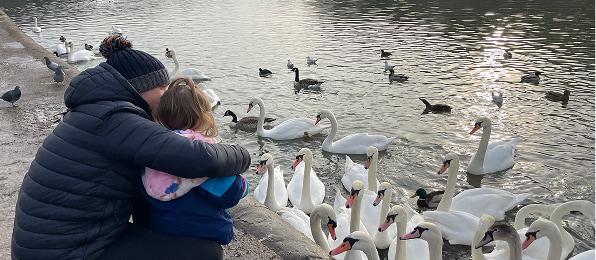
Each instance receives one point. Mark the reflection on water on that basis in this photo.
(451, 51)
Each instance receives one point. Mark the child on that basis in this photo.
(191, 207)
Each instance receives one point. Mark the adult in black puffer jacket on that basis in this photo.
(77, 197)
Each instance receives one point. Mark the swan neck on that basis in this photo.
(305, 199)
(481, 153)
(371, 251)
(355, 215)
(515, 251)
(524, 213)
(555, 249)
(445, 203)
(477, 253)
(385, 204)
(585, 207)
(270, 197)
(317, 232)
(176, 64)
(400, 245)
(261, 120)
(329, 139)
(372, 173)
(435, 248)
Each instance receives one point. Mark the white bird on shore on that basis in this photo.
(36, 29)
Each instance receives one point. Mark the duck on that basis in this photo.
(494, 157)
(290, 64)
(558, 97)
(36, 28)
(477, 201)
(311, 84)
(195, 74)
(80, 55)
(61, 49)
(531, 78)
(352, 144)
(311, 60)
(383, 237)
(385, 54)
(396, 77)
(430, 233)
(437, 108)
(248, 123)
(428, 200)
(305, 189)
(408, 249)
(290, 129)
(264, 73)
(311, 226)
(507, 55)
(348, 220)
(388, 66)
(366, 173)
(357, 241)
(497, 99)
(271, 190)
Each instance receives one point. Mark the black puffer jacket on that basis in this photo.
(77, 196)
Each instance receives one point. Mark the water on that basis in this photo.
(451, 50)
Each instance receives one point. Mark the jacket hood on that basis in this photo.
(101, 83)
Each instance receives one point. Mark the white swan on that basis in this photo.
(366, 173)
(545, 228)
(408, 249)
(486, 221)
(80, 55)
(36, 29)
(61, 49)
(271, 189)
(357, 241)
(195, 74)
(351, 144)
(494, 157)
(311, 226)
(432, 235)
(478, 201)
(305, 190)
(586, 255)
(290, 129)
(348, 220)
(213, 98)
(384, 237)
(366, 209)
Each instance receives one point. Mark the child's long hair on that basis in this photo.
(183, 106)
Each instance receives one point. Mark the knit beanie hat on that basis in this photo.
(143, 71)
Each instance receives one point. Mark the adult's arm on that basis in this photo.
(133, 138)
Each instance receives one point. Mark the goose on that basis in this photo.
(271, 189)
(36, 29)
(311, 226)
(498, 100)
(311, 60)
(494, 157)
(437, 108)
(432, 235)
(485, 222)
(507, 55)
(478, 201)
(116, 31)
(385, 54)
(396, 77)
(248, 123)
(357, 241)
(80, 55)
(348, 220)
(290, 129)
(195, 74)
(311, 84)
(545, 228)
(503, 232)
(429, 200)
(531, 78)
(290, 65)
(366, 173)
(383, 237)
(408, 249)
(264, 73)
(351, 144)
(305, 190)
(61, 48)
(388, 66)
(558, 97)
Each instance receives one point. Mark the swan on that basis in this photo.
(388, 66)
(61, 49)
(485, 222)
(195, 74)
(366, 173)
(213, 98)
(545, 228)
(36, 29)
(429, 200)
(290, 65)
(507, 55)
(311, 60)
(499, 231)
(80, 55)
(494, 157)
(311, 226)
(271, 189)
(290, 129)
(362, 200)
(383, 237)
(357, 240)
(396, 77)
(351, 144)
(523, 213)
(478, 201)
(264, 72)
(498, 100)
(248, 123)
(385, 54)
(587, 255)
(305, 190)
(311, 84)
(531, 78)
(406, 248)
(348, 220)
(432, 235)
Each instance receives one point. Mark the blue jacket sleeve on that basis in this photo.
(223, 192)
(130, 137)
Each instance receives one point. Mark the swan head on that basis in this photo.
(170, 53)
(539, 228)
(371, 153)
(253, 102)
(449, 158)
(424, 230)
(397, 213)
(355, 193)
(304, 152)
(384, 188)
(357, 240)
(326, 212)
(480, 122)
(497, 231)
(266, 160)
(324, 114)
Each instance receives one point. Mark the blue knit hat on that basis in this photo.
(143, 71)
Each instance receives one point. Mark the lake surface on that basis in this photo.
(451, 50)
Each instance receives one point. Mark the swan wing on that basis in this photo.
(353, 171)
(370, 214)
(297, 219)
(499, 155)
(415, 249)
(213, 98)
(194, 74)
(292, 129)
(458, 227)
(490, 201)
(261, 190)
(339, 203)
(281, 193)
(358, 143)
